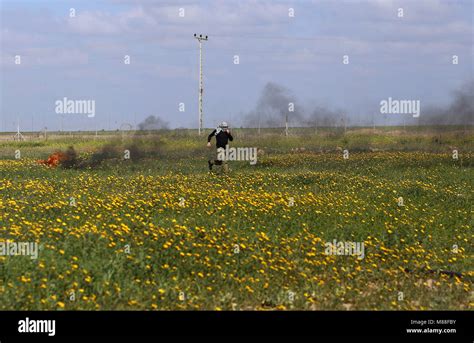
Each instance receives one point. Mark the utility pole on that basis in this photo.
(373, 122)
(200, 38)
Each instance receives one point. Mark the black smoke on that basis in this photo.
(323, 116)
(459, 112)
(274, 107)
(153, 123)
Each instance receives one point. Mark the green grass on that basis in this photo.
(236, 242)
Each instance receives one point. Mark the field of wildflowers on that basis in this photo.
(164, 233)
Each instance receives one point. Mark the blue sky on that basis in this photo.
(82, 57)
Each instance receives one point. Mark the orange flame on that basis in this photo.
(54, 159)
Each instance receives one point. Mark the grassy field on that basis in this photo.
(158, 231)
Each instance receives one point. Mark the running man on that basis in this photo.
(223, 136)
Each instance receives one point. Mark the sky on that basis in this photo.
(299, 45)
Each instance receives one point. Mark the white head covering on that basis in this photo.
(222, 126)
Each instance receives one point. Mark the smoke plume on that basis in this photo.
(153, 123)
(276, 103)
(459, 112)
